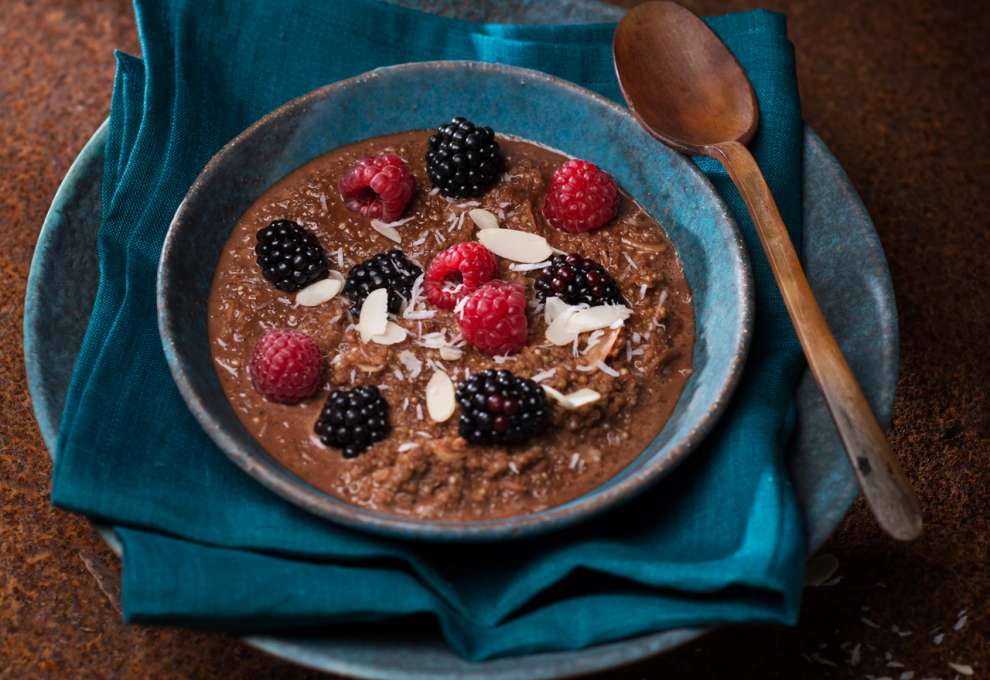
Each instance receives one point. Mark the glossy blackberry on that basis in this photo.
(391, 270)
(289, 255)
(353, 420)
(464, 161)
(499, 408)
(576, 279)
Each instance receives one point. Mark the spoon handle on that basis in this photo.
(887, 491)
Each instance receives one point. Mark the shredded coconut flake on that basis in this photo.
(544, 375)
(434, 191)
(514, 467)
(529, 267)
(419, 411)
(632, 262)
(575, 461)
(606, 369)
(642, 290)
(411, 364)
(408, 446)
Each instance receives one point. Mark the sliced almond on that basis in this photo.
(386, 230)
(440, 400)
(600, 316)
(574, 400)
(451, 353)
(603, 348)
(374, 314)
(394, 333)
(559, 332)
(319, 292)
(552, 308)
(518, 246)
(483, 219)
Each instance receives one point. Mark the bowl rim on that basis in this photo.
(279, 479)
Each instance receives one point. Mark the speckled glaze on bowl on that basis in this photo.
(515, 101)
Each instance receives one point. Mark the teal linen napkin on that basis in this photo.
(205, 545)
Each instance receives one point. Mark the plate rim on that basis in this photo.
(600, 657)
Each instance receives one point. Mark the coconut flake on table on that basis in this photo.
(394, 334)
(440, 401)
(574, 400)
(317, 293)
(374, 314)
(518, 246)
(483, 219)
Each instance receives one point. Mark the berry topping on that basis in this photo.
(458, 271)
(576, 279)
(464, 161)
(497, 407)
(379, 187)
(493, 318)
(286, 366)
(580, 197)
(391, 270)
(289, 256)
(353, 420)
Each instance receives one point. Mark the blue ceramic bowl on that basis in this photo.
(526, 103)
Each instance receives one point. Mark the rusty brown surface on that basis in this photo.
(897, 90)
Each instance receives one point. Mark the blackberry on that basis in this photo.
(289, 255)
(353, 420)
(391, 270)
(464, 161)
(576, 279)
(497, 407)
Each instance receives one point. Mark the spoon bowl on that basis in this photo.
(686, 89)
(689, 97)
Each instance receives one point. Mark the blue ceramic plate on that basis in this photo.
(848, 273)
(514, 101)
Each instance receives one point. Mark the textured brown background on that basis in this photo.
(898, 90)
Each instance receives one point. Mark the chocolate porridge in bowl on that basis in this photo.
(451, 324)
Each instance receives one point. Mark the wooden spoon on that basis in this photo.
(686, 89)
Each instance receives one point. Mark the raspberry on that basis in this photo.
(468, 265)
(498, 407)
(353, 420)
(576, 279)
(289, 255)
(580, 197)
(379, 187)
(493, 318)
(286, 366)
